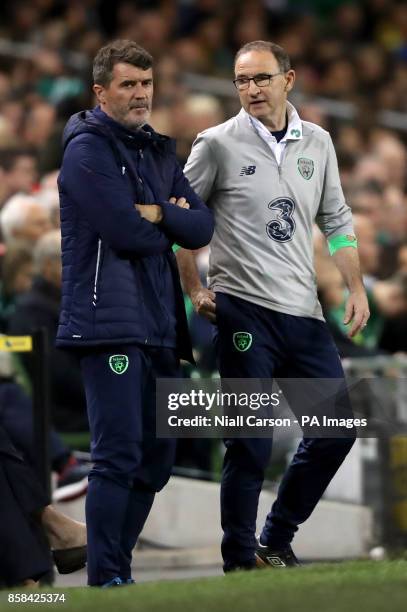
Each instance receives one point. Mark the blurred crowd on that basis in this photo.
(351, 65)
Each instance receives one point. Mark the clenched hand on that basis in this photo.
(154, 213)
(204, 302)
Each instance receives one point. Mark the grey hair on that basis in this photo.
(279, 53)
(14, 214)
(46, 248)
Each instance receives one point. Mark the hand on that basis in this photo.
(181, 202)
(357, 312)
(150, 212)
(204, 301)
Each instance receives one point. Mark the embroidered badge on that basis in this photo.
(119, 363)
(242, 341)
(305, 167)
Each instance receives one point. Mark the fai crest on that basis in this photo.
(242, 341)
(119, 363)
(305, 167)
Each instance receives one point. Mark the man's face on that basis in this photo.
(264, 103)
(128, 96)
(23, 174)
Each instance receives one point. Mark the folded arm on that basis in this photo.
(91, 178)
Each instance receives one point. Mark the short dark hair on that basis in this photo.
(279, 53)
(9, 156)
(115, 52)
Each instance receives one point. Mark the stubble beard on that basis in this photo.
(122, 117)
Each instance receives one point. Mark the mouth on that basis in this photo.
(256, 102)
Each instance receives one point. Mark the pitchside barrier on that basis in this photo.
(37, 344)
(385, 392)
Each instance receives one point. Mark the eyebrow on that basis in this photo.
(133, 81)
(246, 76)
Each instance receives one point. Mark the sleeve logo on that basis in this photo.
(305, 167)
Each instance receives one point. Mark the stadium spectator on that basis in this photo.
(402, 260)
(16, 278)
(368, 248)
(38, 124)
(392, 153)
(29, 526)
(16, 417)
(25, 219)
(39, 308)
(195, 114)
(18, 172)
(48, 196)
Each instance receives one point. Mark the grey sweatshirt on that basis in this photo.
(262, 248)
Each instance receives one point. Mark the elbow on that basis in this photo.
(196, 230)
(197, 240)
(205, 233)
(202, 239)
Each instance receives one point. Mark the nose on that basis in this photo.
(253, 88)
(139, 91)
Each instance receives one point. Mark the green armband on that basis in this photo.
(175, 248)
(339, 242)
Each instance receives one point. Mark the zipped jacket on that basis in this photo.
(120, 281)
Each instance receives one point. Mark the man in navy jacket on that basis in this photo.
(124, 203)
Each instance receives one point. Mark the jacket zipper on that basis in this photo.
(95, 286)
(274, 156)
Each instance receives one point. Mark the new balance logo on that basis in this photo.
(247, 170)
(276, 562)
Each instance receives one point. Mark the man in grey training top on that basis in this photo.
(268, 176)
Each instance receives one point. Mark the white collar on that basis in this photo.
(294, 127)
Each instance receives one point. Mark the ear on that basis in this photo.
(100, 93)
(289, 80)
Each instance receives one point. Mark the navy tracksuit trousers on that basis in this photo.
(283, 346)
(130, 464)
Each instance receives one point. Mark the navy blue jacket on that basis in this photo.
(120, 281)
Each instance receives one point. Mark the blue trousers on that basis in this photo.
(130, 464)
(283, 346)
